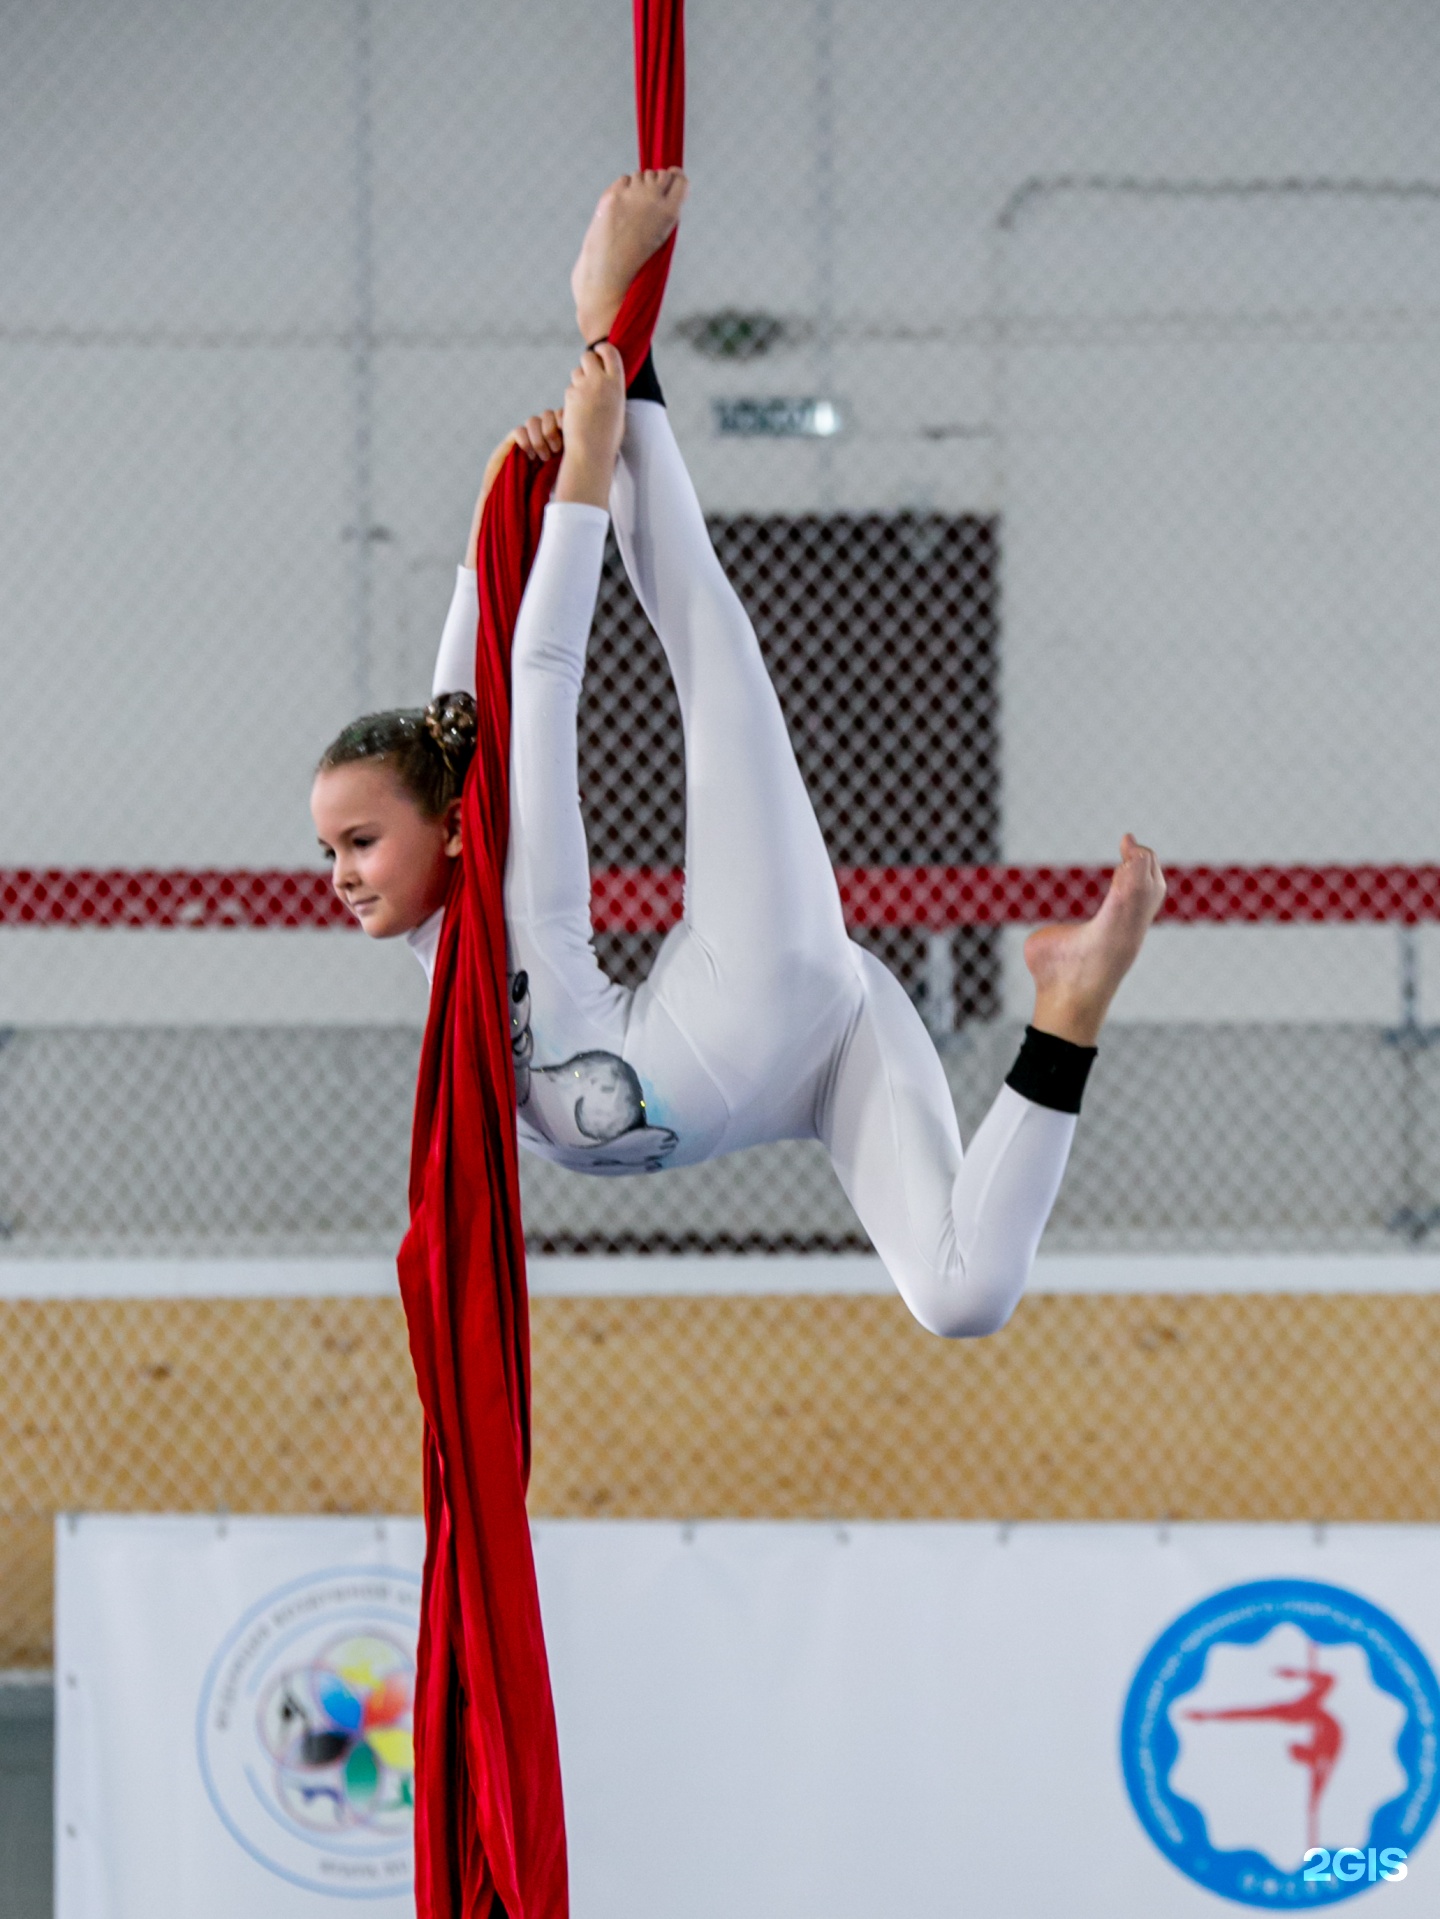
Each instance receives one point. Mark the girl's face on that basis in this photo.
(391, 864)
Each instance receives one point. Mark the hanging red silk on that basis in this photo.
(489, 1820)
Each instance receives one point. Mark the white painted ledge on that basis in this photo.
(1055, 1273)
(695, 1276)
(196, 1278)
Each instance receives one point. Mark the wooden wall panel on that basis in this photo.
(1100, 1407)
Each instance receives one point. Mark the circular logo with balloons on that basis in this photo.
(305, 1731)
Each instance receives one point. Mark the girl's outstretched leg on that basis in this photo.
(758, 976)
(753, 845)
(763, 949)
(958, 1233)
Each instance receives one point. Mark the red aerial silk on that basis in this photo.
(489, 1821)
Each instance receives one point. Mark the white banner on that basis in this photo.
(233, 1716)
(790, 1721)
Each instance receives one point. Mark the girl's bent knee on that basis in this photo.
(962, 1304)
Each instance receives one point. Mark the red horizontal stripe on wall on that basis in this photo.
(941, 896)
(649, 899)
(643, 899)
(61, 896)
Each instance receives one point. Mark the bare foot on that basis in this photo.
(1077, 969)
(594, 426)
(634, 219)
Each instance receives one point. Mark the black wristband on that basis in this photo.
(646, 384)
(1050, 1071)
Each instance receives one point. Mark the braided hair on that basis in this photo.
(429, 748)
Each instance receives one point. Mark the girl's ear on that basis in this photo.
(450, 819)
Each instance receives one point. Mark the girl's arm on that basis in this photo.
(540, 436)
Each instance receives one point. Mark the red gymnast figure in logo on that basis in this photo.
(1305, 1709)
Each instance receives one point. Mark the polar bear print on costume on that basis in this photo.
(592, 1105)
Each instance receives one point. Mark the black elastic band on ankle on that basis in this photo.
(1051, 1071)
(646, 384)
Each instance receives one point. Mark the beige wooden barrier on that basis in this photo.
(1085, 1407)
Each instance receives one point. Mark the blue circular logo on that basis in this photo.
(1281, 1744)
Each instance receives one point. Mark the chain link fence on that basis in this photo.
(274, 1142)
(1062, 388)
(1061, 383)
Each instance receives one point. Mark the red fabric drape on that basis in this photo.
(660, 112)
(489, 1821)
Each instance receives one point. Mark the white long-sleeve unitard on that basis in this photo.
(761, 1020)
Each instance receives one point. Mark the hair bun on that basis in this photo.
(429, 749)
(451, 722)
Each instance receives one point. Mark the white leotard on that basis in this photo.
(761, 1020)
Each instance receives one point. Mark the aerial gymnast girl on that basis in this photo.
(761, 1020)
